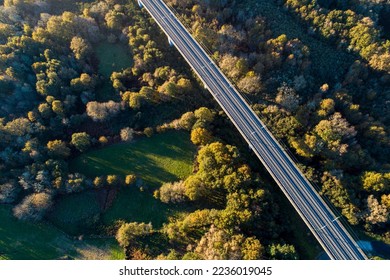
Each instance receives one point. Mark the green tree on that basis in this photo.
(283, 252)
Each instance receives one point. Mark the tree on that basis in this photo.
(80, 47)
(33, 207)
(172, 192)
(250, 84)
(102, 111)
(287, 98)
(339, 196)
(130, 179)
(326, 107)
(127, 134)
(201, 136)
(128, 232)
(252, 249)
(335, 131)
(187, 120)
(136, 100)
(204, 114)
(8, 192)
(86, 83)
(377, 182)
(98, 181)
(114, 19)
(217, 244)
(19, 127)
(169, 88)
(283, 252)
(215, 161)
(148, 131)
(112, 180)
(81, 141)
(45, 110)
(376, 213)
(195, 187)
(57, 107)
(58, 148)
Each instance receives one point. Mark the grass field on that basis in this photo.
(20, 240)
(162, 158)
(113, 58)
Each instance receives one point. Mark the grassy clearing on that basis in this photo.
(20, 240)
(113, 58)
(162, 158)
(135, 206)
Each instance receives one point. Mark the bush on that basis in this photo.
(130, 179)
(127, 134)
(148, 132)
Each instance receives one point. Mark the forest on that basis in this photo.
(109, 141)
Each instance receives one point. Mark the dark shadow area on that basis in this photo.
(384, 21)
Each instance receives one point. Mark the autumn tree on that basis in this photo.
(250, 84)
(33, 207)
(128, 232)
(376, 182)
(218, 244)
(81, 141)
(103, 111)
(326, 107)
(204, 114)
(130, 179)
(172, 192)
(58, 148)
(201, 136)
(287, 98)
(81, 48)
(335, 132)
(187, 120)
(377, 213)
(127, 134)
